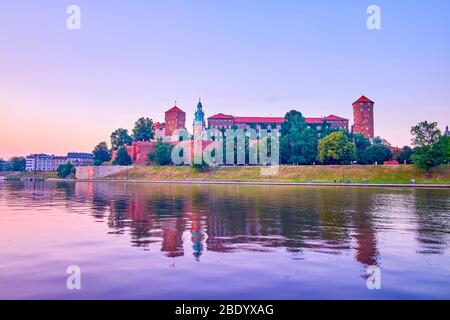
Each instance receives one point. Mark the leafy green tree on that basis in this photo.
(66, 170)
(428, 157)
(101, 153)
(3, 165)
(97, 163)
(405, 155)
(336, 148)
(431, 149)
(425, 134)
(122, 157)
(298, 143)
(17, 164)
(143, 130)
(119, 138)
(443, 148)
(376, 153)
(361, 144)
(162, 154)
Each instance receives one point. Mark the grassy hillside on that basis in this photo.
(355, 173)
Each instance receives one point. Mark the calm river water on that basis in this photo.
(151, 241)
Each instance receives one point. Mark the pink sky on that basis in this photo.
(63, 91)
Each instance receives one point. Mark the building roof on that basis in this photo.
(363, 99)
(258, 119)
(314, 120)
(175, 109)
(80, 155)
(334, 117)
(221, 116)
(41, 155)
(158, 125)
(278, 120)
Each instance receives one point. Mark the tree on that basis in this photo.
(336, 148)
(298, 143)
(376, 153)
(3, 165)
(101, 153)
(119, 138)
(122, 157)
(162, 155)
(443, 148)
(429, 157)
(405, 155)
(143, 130)
(17, 164)
(66, 170)
(431, 148)
(361, 144)
(425, 134)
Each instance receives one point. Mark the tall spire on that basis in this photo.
(199, 114)
(446, 133)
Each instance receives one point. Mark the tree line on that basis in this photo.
(303, 144)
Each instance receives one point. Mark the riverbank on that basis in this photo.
(326, 175)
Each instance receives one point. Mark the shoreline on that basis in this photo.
(261, 183)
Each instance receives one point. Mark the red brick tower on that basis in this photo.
(363, 117)
(175, 119)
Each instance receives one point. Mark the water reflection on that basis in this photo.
(230, 219)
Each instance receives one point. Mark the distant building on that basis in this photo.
(199, 116)
(43, 162)
(79, 159)
(446, 133)
(160, 130)
(38, 162)
(175, 119)
(363, 119)
(224, 121)
(57, 161)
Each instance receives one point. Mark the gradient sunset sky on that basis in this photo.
(63, 91)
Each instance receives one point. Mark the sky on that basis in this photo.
(66, 90)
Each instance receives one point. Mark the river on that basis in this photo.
(163, 241)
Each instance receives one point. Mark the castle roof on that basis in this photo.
(175, 109)
(258, 119)
(221, 116)
(314, 120)
(334, 117)
(363, 99)
(310, 120)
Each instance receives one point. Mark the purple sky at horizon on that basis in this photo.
(64, 91)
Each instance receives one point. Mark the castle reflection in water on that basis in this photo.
(236, 218)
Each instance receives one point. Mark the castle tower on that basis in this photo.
(363, 121)
(199, 120)
(175, 119)
(446, 133)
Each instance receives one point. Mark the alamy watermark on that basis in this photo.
(73, 21)
(374, 19)
(73, 281)
(230, 147)
(373, 281)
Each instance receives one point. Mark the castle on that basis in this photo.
(175, 119)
